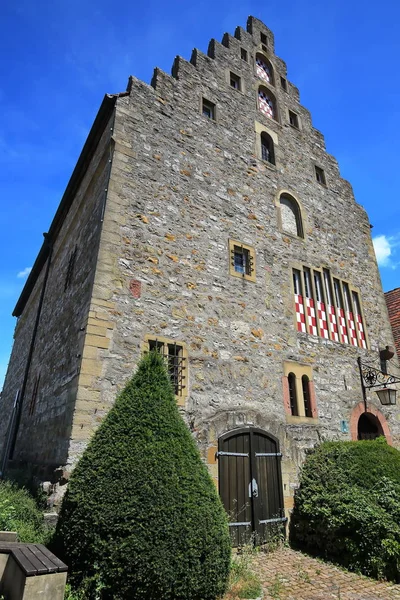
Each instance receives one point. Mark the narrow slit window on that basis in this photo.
(321, 306)
(305, 383)
(294, 408)
(309, 304)
(359, 320)
(263, 39)
(299, 302)
(350, 315)
(341, 313)
(243, 54)
(284, 84)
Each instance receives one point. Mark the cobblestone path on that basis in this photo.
(289, 575)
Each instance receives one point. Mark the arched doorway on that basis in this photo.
(250, 484)
(368, 427)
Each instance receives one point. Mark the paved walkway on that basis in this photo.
(289, 575)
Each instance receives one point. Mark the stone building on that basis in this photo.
(205, 218)
(393, 305)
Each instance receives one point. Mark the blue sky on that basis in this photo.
(58, 59)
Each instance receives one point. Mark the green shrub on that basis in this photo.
(347, 508)
(19, 512)
(141, 517)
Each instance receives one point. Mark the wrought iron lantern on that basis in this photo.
(374, 378)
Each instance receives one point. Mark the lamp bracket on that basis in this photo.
(372, 377)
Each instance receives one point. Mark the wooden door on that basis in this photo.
(250, 484)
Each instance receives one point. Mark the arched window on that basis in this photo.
(266, 103)
(264, 69)
(305, 382)
(290, 216)
(267, 148)
(294, 408)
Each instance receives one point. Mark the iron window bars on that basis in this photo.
(175, 362)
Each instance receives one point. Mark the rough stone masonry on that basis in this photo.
(204, 218)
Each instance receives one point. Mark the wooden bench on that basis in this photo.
(31, 571)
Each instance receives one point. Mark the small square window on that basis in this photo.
(320, 175)
(293, 119)
(242, 260)
(243, 54)
(235, 81)
(263, 39)
(284, 84)
(208, 109)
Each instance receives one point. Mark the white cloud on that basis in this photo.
(24, 273)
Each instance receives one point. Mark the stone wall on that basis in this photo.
(46, 420)
(181, 186)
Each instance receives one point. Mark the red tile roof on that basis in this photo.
(393, 304)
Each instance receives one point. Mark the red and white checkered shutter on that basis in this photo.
(300, 316)
(265, 104)
(322, 320)
(311, 318)
(359, 321)
(262, 70)
(333, 328)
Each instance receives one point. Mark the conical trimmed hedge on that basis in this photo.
(142, 517)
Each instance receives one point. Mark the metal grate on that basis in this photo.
(175, 363)
(242, 261)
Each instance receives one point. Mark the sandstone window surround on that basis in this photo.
(242, 260)
(264, 69)
(320, 175)
(176, 361)
(327, 307)
(289, 215)
(294, 120)
(235, 81)
(209, 109)
(267, 148)
(299, 393)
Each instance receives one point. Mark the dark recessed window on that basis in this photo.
(242, 261)
(267, 148)
(175, 362)
(235, 81)
(263, 38)
(243, 54)
(293, 119)
(208, 109)
(284, 84)
(320, 175)
(294, 409)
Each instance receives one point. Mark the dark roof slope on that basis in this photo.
(393, 303)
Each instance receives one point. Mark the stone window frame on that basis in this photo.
(228, 76)
(252, 255)
(295, 114)
(213, 106)
(319, 171)
(183, 355)
(299, 370)
(259, 128)
(300, 213)
(244, 55)
(263, 54)
(322, 270)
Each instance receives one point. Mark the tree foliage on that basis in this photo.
(347, 508)
(141, 517)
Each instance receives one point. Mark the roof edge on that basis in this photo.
(67, 199)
